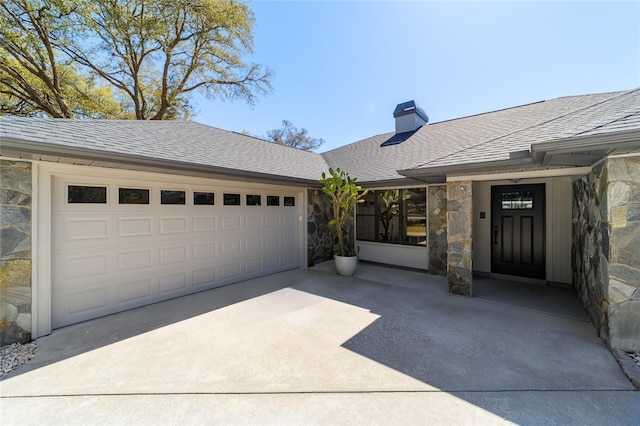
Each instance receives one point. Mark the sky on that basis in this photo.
(342, 67)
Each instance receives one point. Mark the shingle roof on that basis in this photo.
(175, 141)
(487, 137)
(491, 136)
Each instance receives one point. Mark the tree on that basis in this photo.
(289, 135)
(153, 54)
(34, 78)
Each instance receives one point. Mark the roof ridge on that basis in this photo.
(617, 95)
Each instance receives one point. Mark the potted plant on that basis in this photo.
(344, 194)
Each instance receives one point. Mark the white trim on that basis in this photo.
(42, 305)
(35, 188)
(572, 171)
(303, 238)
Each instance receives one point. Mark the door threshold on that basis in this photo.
(519, 279)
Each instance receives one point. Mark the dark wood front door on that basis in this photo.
(517, 230)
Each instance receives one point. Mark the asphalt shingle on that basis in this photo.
(480, 138)
(186, 142)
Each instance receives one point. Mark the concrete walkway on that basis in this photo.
(387, 346)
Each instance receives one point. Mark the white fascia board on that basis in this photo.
(569, 171)
(610, 141)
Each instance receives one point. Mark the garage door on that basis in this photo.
(117, 245)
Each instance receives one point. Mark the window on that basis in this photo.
(289, 201)
(517, 200)
(273, 200)
(254, 200)
(203, 199)
(172, 197)
(133, 196)
(231, 199)
(396, 216)
(77, 194)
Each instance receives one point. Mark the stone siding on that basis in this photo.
(321, 235)
(15, 252)
(606, 250)
(437, 233)
(459, 237)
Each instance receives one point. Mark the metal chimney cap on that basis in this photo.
(410, 107)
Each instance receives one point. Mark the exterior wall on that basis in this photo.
(393, 254)
(606, 261)
(623, 291)
(459, 237)
(321, 236)
(558, 227)
(437, 232)
(15, 251)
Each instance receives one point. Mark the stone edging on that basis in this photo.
(629, 366)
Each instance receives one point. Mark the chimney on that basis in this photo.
(409, 117)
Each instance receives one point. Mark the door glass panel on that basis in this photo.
(517, 200)
(172, 197)
(87, 194)
(133, 196)
(203, 198)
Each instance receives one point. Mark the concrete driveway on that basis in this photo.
(387, 346)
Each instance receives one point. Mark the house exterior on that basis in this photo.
(103, 216)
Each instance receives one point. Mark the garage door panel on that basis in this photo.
(134, 291)
(272, 221)
(204, 223)
(231, 222)
(202, 251)
(173, 284)
(253, 267)
(174, 254)
(135, 226)
(173, 225)
(74, 305)
(272, 262)
(252, 244)
(204, 277)
(73, 265)
(135, 259)
(230, 271)
(108, 258)
(86, 229)
(231, 248)
(288, 240)
(253, 222)
(289, 259)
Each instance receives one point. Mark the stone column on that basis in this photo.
(623, 286)
(15, 252)
(437, 236)
(459, 237)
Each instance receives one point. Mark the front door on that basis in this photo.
(517, 230)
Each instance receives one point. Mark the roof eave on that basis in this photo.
(606, 143)
(17, 148)
(468, 168)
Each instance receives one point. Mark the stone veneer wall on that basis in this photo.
(606, 250)
(15, 252)
(321, 235)
(459, 237)
(437, 233)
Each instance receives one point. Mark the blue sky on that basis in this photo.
(342, 67)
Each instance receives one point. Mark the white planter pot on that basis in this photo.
(346, 265)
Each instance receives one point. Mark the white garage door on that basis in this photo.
(117, 245)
